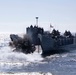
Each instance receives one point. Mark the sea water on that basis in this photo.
(18, 63)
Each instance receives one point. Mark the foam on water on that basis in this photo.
(33, 73)
(34, 64)
(9, 59)
(7, 54)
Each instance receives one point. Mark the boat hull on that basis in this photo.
(49, 46)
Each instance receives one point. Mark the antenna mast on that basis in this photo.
(37, 21)
(37, 26)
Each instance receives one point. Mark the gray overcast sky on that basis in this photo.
(16, 15)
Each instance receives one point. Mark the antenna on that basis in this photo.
(37, 26)
(37, 21)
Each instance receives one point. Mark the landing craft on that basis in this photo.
(51, 42)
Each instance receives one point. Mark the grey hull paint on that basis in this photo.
(47, 44)
(68, 47)
(49, 47)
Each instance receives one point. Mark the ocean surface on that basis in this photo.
(18, 63)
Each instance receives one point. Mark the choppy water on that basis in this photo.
(14, 62)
